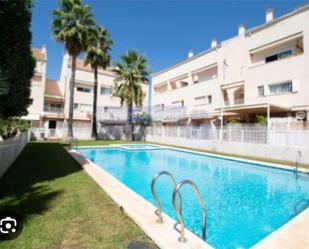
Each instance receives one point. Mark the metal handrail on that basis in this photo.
(178, 208)
(297, 161)
(158, 211)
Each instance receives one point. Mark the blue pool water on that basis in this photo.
(245, 202)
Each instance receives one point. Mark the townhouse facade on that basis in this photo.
(260, 71)
(49, 111)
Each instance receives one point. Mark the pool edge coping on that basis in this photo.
(137, 208)
(273, 240)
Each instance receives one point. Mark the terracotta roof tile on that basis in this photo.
(52, 88)
(38, 54)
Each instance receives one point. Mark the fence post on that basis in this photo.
(230, 133)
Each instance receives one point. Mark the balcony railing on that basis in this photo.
(169, 113)
(235, 102)
(53, 109)
(112, 113)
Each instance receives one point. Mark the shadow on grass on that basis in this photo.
(26, 186)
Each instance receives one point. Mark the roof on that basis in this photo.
(52, 89)
(278, 19)
(248, 33)
(38, 54)
(253, 108)
(186, 60)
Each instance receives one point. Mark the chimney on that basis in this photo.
(214, 43)
(241, 29)
(190, 53)
(44, 50)
(269, 14)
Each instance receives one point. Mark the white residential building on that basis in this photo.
(263, 70)
(35, 109)
(50, 108)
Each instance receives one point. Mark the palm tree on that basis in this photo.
(131, 72)
(98, 57)
(71, 25)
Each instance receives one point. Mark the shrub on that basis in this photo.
(10, 127)
(143, 119)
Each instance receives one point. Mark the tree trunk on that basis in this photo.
(71, 103)
(95, 102)
(130, 120)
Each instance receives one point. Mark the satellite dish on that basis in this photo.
(301, 115)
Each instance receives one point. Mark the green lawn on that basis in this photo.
(62, 206)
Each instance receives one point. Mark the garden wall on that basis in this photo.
(10, 149)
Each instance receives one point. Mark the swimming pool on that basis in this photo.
(245, 202)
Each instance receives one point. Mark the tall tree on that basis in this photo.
(131, 72)
(98, 57)
(71, 25)
(16, 61)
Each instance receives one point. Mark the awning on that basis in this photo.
(31, 117)
(254, 108)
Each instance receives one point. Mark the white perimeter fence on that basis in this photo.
(254, 135)
(10, 149)
(283, 145)
(108, 132)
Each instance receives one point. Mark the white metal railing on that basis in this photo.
(54, 109)
(255, 134)
(235, 102)
(169, 113)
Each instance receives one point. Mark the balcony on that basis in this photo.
(169, 113)
(53, 109)
(235, 102)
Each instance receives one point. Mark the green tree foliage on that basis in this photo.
(98, 57)
(71, 25)
(261, 119)
(16, 61)
(131, 72)
(10, 126)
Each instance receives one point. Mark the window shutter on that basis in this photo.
(295, 86)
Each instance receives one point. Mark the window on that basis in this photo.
(83, 89)
(278, 56)
(281, 87)
(75, 105)
(159, 107)
(209, 98)
(261, 91)
(178, 102)
(106, 90)
(200, 98)
(184, 83)
(31, 101)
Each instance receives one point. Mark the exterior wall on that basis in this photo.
(37, 89)
(245, 149)
(84, 100)
(292, 68)
(241, 68)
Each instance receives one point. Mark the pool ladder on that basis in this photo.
(297, 161)
(178, 208)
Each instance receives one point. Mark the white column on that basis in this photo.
(268, 123)
(221, 125)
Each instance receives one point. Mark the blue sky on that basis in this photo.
(163, 30)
